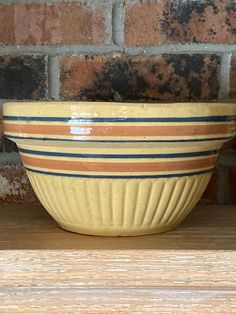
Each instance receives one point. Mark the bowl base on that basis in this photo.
(116, 231)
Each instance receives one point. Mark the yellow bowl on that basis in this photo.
(119, 122)
(141, 182)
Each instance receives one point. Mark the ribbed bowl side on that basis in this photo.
(118, 207)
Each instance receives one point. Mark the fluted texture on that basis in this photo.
(118, 207)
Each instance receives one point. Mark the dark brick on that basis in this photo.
(135, 78)
(7, 146)
(23, 77)
(177, 21)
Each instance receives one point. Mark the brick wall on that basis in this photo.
(118, 51)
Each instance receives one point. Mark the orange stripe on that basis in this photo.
(105, 130)
(118, 167)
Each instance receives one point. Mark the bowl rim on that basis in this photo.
(117, 109)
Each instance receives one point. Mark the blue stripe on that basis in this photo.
(178, 175)
(118, 141)
(96, 119)
(129, 156)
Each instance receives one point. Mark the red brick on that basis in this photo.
(135, 78)
(232, 92)
(143, 24)
(14, 185)
(7, 30)
(57, 23)
(232, 185)
(174, 21)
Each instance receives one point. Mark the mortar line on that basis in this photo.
(118, 24)
(59, 49)
(53, 77)
(101, 49)
(108, 24)
(182, 48)
(224, 74)
(9, 159)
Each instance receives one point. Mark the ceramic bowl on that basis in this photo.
(119, 122)
(142, 182)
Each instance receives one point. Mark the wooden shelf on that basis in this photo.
(44, 269)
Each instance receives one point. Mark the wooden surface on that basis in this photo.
(44, 269)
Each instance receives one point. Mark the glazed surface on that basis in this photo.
(120, 122)
(116, 169)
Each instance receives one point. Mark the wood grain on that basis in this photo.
(31, 227)
(44, 269)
